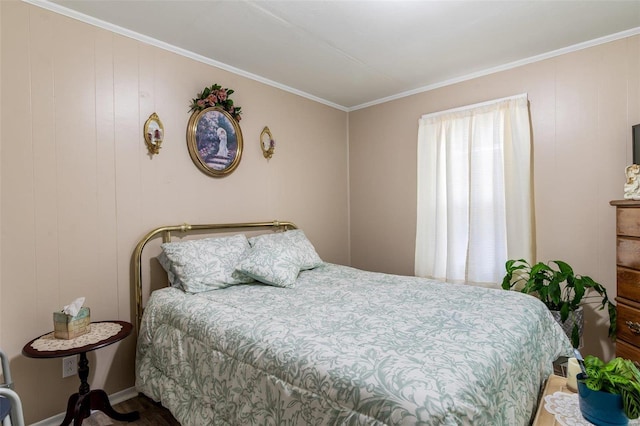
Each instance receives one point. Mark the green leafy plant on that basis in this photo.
(216, 96)
(560, 289)
(619, 376)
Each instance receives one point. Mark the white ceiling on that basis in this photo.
(350, 54)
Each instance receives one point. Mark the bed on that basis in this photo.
(336, 345)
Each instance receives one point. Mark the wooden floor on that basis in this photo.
(150, 414)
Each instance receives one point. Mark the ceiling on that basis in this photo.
(351, 54)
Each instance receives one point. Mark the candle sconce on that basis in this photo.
(267, 143)
(153, 134)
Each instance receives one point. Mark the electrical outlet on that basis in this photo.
(70, 366)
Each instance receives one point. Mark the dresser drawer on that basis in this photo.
(628, 221)
(628, 283)
(628, 253)
(628, 325)
(625, 350)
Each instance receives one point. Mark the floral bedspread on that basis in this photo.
(347, 347)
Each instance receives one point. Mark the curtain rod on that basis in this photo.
(478, 105)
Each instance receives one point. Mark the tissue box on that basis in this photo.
(68, 327)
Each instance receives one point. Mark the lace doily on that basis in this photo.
(99, 331)
(566, 409)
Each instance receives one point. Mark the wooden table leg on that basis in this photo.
(79, 408)
(80, 404)
(81, 411)
(71, 405)
(98, 400)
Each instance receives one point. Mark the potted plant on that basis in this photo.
(561, 290)
(609, 393)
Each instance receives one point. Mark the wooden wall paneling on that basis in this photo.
(76, 158)
(45, 167)
(577, 113)
(151, 167)
(612, 133)
(128, 154)
(18, 277)
(105, 162)
(18, 231)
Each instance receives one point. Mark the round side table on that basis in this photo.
(103, 333)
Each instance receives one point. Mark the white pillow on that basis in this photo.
(207, 264)
(293, 244)
(269, 266)
(278, 258)
(166, 264)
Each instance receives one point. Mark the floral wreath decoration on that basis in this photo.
(216, 96)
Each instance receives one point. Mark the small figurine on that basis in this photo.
(632, 185)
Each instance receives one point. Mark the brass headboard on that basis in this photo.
(165, 231)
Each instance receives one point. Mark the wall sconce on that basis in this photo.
(153, 134)
(267, 143)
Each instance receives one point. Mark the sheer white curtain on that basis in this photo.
(474, 191)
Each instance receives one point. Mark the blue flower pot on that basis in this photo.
(600, 408)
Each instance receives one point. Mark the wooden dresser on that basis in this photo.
(628, 278)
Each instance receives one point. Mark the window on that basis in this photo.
(474, 191)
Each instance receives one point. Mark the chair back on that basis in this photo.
(10, 404)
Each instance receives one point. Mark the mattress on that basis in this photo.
(346, 346)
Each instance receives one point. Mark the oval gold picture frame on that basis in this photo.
(153, 134)
(214, 140)
(267, 143)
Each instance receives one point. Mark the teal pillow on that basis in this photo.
(207, 264)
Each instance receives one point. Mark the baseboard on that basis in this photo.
(115, 398)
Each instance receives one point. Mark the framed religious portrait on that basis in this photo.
(214, 140)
